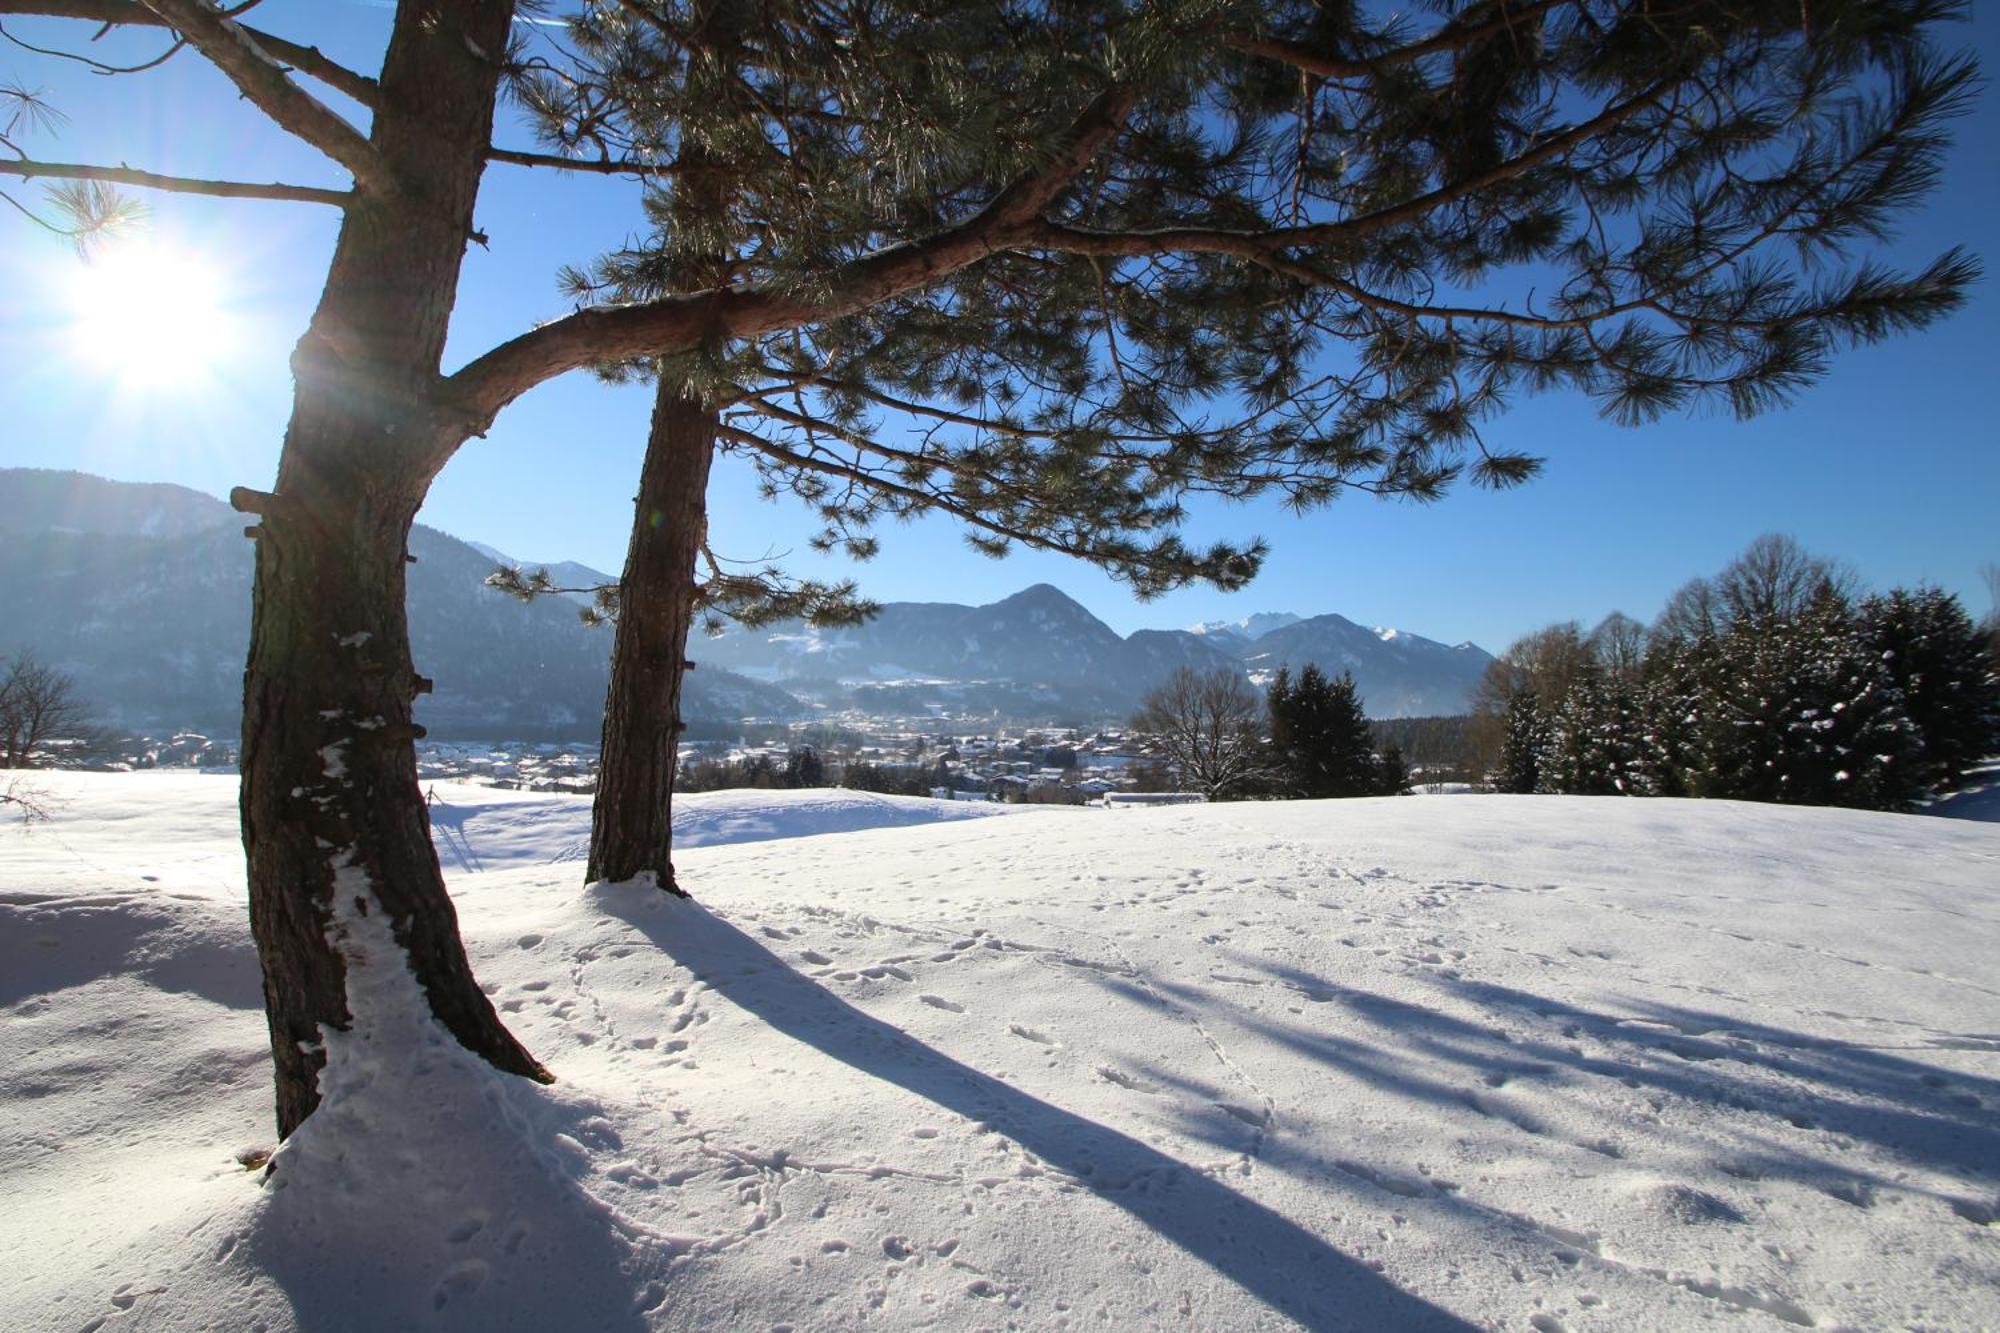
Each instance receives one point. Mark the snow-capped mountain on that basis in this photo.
(1397, 673)
(1040, 645)
(1037, 653)
(1248, 629)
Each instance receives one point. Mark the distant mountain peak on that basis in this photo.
(1252, 627)
(1040, 594)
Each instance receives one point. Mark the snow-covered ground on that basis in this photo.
(1462, 1062)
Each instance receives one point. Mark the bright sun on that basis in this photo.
(151, 316)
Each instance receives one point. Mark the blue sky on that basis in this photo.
(1890, 463)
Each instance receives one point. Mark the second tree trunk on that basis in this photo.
(631, 829)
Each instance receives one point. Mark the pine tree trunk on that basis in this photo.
(329, 795)
(632, 821)
(631, 829)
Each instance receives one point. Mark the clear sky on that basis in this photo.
(1890, 463)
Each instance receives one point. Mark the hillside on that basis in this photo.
(142, 594)
(1439, 1063)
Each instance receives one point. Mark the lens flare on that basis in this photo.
(151, 316)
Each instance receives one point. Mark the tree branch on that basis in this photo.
(1255, 244)
(602, 166)
(1449, 38)
(261, 80)
(882, 485)
(677, 323)
(151, 180)
(308, 60)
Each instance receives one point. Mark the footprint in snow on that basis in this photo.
(1126, 1081)
(939, 1002)
(1030, 1034)
(459, 1281)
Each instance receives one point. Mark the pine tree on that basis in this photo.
(1856, 744)
(804, 769)
(1209, 202)
(1321, 744)
(1675, 697)
(1938, 661)
(1522, 745)
(1581, 755)
(1808, 715)
(1392, 774)
(1545, 662)
(1595, 737)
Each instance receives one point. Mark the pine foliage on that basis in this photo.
(1393, 773)
(1321, 744)
(1323, 249)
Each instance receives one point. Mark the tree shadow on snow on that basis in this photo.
(1266, 1254)
(458, 1200)
(1802, 1095)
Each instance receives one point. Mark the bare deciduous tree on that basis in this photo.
(38, 704)
(1209, 726)
(1776, 579)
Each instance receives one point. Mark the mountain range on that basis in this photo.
(1039, 650)
(141, 593)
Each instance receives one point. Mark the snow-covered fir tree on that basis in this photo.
(1521, 745)
(1939, 662)
(1809, 716)
(1320, 741)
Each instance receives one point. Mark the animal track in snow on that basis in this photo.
(459, 1280)
(1385, 1180)
(1254, 1119)
(1030, 1034)
(1126, 1081)
(939, 1002)
(1499, 1109)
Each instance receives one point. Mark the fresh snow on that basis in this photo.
(1461, 1062)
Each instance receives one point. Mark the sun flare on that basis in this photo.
(151, 316)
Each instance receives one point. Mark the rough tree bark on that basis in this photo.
(631, 827)
(632, 821)
(329, 796)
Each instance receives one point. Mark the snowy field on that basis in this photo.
(1459, 1062)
